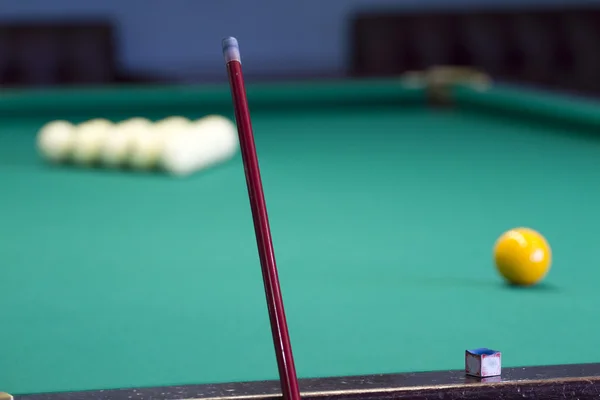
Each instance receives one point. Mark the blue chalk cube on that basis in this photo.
(483, 362)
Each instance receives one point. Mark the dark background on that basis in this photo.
(67, 42)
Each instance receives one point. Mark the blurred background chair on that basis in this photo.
(53, 53)
(556, 48)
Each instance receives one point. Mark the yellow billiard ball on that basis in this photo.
(522, 256)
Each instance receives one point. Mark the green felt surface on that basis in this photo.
(384, 213)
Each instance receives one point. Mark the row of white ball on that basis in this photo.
(176, 144)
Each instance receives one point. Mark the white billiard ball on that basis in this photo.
(207, 142)
(55, 140)
(209, 148)
(179, 156)
(117, 148)
(146, 151)
(146, 146)
(89, 140)
(224, 132)
(170, 126)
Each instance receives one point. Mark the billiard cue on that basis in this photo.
(281, 337)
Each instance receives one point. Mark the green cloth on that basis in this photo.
(384, 213)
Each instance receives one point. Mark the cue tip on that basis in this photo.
(231, 50)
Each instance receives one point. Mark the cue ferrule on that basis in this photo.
(231, 50)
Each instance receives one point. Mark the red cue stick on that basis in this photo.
(281, 337)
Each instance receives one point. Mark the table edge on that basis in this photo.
(577, 380)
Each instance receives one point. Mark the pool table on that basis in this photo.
(385, 202)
